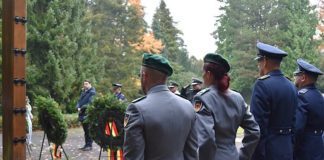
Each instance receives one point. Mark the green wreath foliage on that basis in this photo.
(106, 108)
(51, 120)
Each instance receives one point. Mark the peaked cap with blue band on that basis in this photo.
(157, 62)
(304, 66)
(117, 85)
(266, 50)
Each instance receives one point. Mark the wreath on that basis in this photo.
(105, 118)
(51, 120)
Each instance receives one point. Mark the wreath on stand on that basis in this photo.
(52, 122)
(105, 118)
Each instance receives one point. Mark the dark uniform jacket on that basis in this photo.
(120, 96)
(309, 124)
(160, 127)
(219, 117)
(85, 98)
(273, 104)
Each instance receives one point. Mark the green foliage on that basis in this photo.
(51, 120)
(61, 51)
(116, 26)
(280, 23)
(106, 108)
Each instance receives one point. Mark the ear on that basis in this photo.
(209, 75)
(303, 77)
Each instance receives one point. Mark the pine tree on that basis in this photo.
(276, 22)
(164, 29)
(61, 51)
(118, 24)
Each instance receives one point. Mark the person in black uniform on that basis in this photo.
(310, 114)
(220, 112)
(191, 90)
(273, 104)
(160, 125)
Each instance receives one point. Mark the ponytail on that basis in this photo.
(222, 79)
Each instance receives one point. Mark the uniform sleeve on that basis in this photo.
(251, 135)
(301, 114)
(260, 107)
(134, 144)
(206, 134)
(191, 146)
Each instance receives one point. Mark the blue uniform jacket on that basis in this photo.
(309, 124)
(120, 96)
(273, 104)
(85, 98)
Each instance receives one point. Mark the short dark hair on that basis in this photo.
(87, 81)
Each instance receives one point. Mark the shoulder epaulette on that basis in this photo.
(303, 91)
(264, 77)
(138, 99)
(203, 91)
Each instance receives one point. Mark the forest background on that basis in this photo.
(69, 41)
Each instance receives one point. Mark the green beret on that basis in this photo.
(217, 59)
(157, 62)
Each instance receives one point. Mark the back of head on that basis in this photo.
(310, 70)
(156, 70)
(273, 54)
(219, 68)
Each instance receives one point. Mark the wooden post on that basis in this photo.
(13, 77)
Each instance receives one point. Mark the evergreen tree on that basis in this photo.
(117, 25)
(164, 29)
(276, 22)
(61, 51)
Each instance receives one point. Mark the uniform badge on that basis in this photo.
(198, 105)
(126, 118)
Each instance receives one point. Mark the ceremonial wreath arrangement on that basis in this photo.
(51, 120)
(105, 118)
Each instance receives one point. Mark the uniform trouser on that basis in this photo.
(30, 130)
(87, 138)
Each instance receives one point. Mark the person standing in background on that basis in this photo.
(117, 91)
(86, 97)
(29, 117)
(189, 93)
(273, 104)
(309, 144)
(173, 87)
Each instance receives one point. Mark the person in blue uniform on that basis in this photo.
(86, 97)
(117, 91)
(310, 114)
(273, 104)
(160, 125)
(221, 111)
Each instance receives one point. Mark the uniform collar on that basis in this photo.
(309, 86)
(276, 72)
(158, 88)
